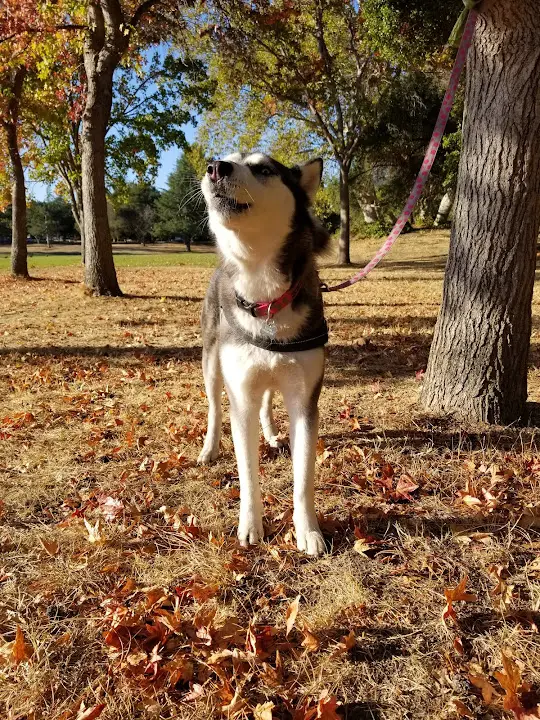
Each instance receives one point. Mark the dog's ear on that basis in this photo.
(310, 177)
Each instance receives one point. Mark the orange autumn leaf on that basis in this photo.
(510, 681)
(327, 706)
(91, 713)
(462, 710)
(483, 684)
(20, 650)
(311, 642)
(236, 706)
(290, 615)
(51, 547)
(515, 690)
(456, 594)
(347, 643)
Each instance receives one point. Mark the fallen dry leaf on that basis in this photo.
(291, 613)
(311, 642)
(502, 593)
(94, 531)
(51, 547)
(91, 713)
(515, 690)
(458, 645)
(20, 649)
(264, 711)
(236, 706)
(347, 643)
(482, 683)
(456, 594)
(327, 706)
(462, 710)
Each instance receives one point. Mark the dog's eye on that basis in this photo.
(263, 170)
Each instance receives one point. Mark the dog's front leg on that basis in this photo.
(304, 430)
(245, 431)
(301, 400)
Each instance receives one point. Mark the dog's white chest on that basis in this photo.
(247, 363)
(252, 368)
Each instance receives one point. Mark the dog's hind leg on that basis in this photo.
(268, 424)
(213, 382)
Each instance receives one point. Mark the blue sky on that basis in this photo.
(167, 162)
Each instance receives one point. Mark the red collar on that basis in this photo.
(271, 308)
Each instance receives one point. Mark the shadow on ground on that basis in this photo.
(63, 351)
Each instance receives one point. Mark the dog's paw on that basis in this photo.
(276, 442)
(207, 455)
(250, 531)
(310, 541)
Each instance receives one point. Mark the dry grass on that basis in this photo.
(102, 398)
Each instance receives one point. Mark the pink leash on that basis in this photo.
(429, 158)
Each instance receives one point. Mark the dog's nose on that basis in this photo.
(219, 169)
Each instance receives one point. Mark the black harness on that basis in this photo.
(309, 339)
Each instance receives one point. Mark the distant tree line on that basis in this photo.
(138, 212)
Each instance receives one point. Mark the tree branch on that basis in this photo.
(141, 11)
(327, 60)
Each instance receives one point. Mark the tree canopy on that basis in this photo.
(319, 70)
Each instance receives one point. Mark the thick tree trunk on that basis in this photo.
(445, 207)
(478, 362)
(103, 49)
(344, 257)
(100, 273)
(19, 230)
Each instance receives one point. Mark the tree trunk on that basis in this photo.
(100, 273)
(103, 48)
(19, 230)
(78, 214)
(367, 203)
(445, 207)
(344, 256)
(369, 213)
(478, 362)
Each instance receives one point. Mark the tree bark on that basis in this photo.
(102, 52)
(19, 229)
(477, 367)
(75, 192)
(75, 197)
(344, 256)
(445, 207)
(100, 273)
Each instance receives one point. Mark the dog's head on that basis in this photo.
(255, 193)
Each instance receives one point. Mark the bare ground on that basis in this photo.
(123, 592)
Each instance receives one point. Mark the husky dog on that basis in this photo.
(263, 325)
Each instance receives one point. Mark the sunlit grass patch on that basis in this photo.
(138, 256)
(119, 563)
